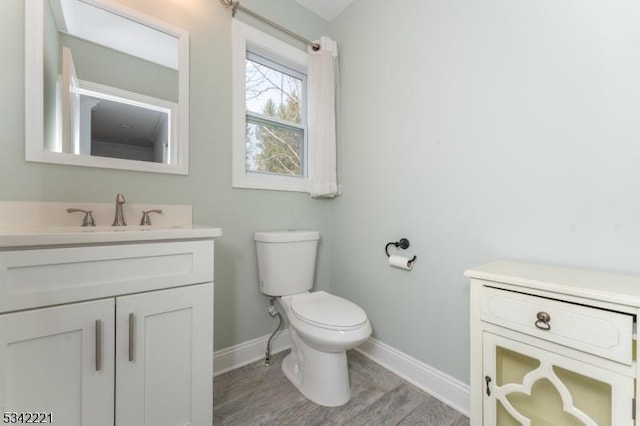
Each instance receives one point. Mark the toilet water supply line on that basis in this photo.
(273, 311)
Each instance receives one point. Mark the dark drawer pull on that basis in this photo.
(543, 321)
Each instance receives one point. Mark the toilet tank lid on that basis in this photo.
(286, 236)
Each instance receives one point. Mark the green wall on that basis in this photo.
(240, 309)
(102, 65)
(51, 66)
(478, 130)
(481, 130)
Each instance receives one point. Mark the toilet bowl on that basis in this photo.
(326, 322)
(322, 326)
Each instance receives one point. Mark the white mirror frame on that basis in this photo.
(34, 99)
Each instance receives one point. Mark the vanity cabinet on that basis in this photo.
(108, 334)
(552, 346)
(48, 362)
(164, 357)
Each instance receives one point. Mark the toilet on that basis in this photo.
(322, 326)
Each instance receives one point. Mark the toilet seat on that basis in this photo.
(325, 310)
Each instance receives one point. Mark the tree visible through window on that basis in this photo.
(275, 118)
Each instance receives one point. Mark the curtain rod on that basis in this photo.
(235, 6)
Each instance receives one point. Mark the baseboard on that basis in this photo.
(247, 352)
(447, 389)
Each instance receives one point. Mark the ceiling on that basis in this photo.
(328, 9)
(112, 30)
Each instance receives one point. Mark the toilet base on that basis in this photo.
(322, 377)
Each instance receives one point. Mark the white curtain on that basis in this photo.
(322, 78)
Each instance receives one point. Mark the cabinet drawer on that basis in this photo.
(600, 332)
(42, 277)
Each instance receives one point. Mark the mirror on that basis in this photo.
(106, 86)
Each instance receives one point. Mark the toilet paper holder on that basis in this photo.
(403, 244)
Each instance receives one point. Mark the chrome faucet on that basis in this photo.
(119, 219)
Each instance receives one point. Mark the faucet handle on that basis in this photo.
(145, 216)
(88, 216)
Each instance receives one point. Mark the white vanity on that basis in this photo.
(108, 326)
(552, 346)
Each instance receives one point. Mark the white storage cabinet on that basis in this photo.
(108, 334)
(552, 346)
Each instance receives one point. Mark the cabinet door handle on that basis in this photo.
(488, 380)
(543, 321)
(132, 321)
(98, 344)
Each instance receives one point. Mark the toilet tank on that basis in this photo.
(286, 261)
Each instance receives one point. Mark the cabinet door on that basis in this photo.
(164, 365)
(59, 360)
(525, 385)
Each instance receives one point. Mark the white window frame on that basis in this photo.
(247, 38)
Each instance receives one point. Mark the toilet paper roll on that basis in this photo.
(400, 262)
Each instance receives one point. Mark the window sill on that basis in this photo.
(271, 182)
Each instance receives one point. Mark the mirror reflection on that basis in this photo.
(111, 85)
(122, 129)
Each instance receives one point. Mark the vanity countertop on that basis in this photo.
(64, 235)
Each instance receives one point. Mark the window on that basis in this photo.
(275, 118)
(269, 130)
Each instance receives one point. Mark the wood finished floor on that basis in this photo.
(259, 395)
